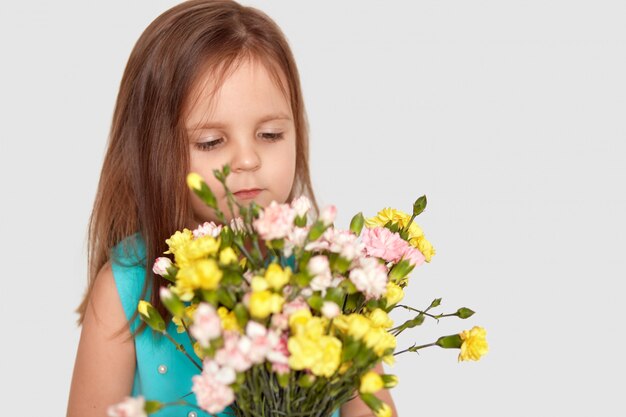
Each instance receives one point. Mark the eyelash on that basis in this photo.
(206, 146)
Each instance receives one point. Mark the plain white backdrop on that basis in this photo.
(508, 115)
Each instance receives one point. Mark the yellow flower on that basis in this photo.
(358, 325)
(371, 382)
(264, 303)
(276, 276)
(188, 314)
(387, 341)
(383, 411)
(228, 256)
(179, 240)
(425, 247)
(259, 284)
(303, 352)
(380, 318)
(474, 344)
(329, 352)
(394, 293)
(345, 367)
(197, 249)
(228, 318)
(194, 181)
(389, 359)
(198, 350)
(202, 274)
(298, 320)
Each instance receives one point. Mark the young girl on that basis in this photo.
(208, 83)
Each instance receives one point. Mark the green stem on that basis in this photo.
(183, 350)
(415, 348)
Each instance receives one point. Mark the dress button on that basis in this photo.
(162, 369)
(192, 414)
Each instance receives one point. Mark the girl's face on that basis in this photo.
(250, 126)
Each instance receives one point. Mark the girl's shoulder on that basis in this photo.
(128, 264)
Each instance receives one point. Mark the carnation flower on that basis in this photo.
(330, 310)
(474, 344)
(301, 205)
(235, 352)
(206, 324)
(383, 243)
(370, 277)
(207, 228)
(275, 222)
(212, 387)
(328, 215)
(160, 265)
(130, 407)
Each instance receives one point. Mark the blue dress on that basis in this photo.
(162, 373)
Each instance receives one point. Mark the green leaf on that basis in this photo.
(336, 295)
(316, 302)
(356, 224)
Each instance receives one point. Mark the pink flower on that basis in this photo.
(280, 321)
(206, 324)
(261, 340)
(237, 225)
(370, 277)
(383, 243)
(295, 239)
(235, 352)
(130, 407)
(414, 256)
(275, 222)
(301, 205)
(279, 356)
(160, 265)
(207, 228)
(327, 216)
(212, 387)
(296, 304)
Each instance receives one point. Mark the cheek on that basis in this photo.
(283, 168)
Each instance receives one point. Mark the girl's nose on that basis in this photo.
(245, 158)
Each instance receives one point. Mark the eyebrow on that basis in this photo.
(219, 125)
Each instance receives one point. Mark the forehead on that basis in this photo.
(241, 88)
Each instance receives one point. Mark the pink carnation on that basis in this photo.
(383, 243)
(212, 387)
(414, 256)
(130, 407)
(207, 228)
(370, 277)
(235, 352)
(275, 221)
(206, 324)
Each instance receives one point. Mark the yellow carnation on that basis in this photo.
(303, 352)
(228, 256)
(474, 344)
(197, 249)
(425, 247)
(380, 318)
(389, 359)
(329, 356)
(394, 293)
(188, 314)
(228, 318)
(387, 341)
(259, 284)
(264, 303)
(371, 382)
(276, 276)
(203, 274)
(358, 325)
(179, 240)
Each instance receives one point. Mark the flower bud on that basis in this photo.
(172, 302)
(356, 224)
(371, 382)
(389, 380)
(330, 310)
(151, 316)
(194, 181)
(419, 205)
(160, 265)
(464, 313)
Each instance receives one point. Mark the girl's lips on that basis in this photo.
(247, 194)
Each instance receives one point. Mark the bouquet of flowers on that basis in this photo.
(288, 315)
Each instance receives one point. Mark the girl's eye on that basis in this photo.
(206, 146)
(271, 137)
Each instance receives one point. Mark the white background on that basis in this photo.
(508, 115)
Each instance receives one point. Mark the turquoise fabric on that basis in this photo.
(153, 351)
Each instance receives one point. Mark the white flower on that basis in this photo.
(330, 310)
(130, 407)
(275, 221)
(237, 225)
(160, 265)
(301, 205)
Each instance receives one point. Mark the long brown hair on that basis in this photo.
(142, 185)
